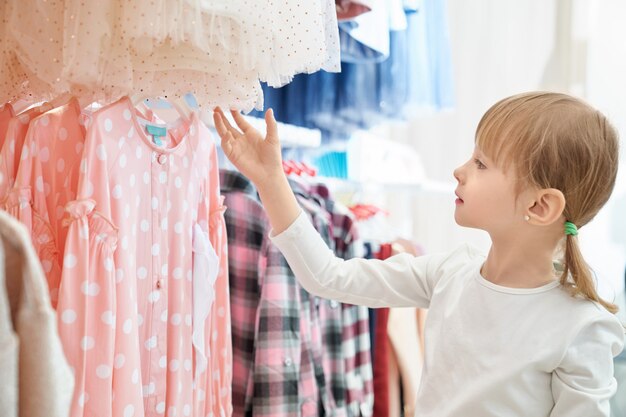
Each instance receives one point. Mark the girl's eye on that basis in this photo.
(479, 164)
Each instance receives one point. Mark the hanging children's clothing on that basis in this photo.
(54, 142)
(11, 152)
(6, 114)
(349, 9)
(47, 180)
(143, 300)
(274, 371)
(355, 346)
(36, 378)
(406, 353)
(9, 349)
(217, 50)
(310, 354)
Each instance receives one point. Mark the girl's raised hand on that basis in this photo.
(255, 156)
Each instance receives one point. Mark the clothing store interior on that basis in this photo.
(139, 275)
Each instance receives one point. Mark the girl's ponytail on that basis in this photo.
(581, 282)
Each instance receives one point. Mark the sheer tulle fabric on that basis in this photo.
(217, 49)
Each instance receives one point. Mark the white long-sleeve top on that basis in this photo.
(489, 350)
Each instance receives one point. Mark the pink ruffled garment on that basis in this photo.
(47, 180)
(143, 306)
(13, 151)
(6, 114)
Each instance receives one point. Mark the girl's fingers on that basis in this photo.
(219, 123)
(272, 127)
(241, 121)
(227, 145)
(234, 132)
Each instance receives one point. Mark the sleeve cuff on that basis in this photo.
(305, 250)
(294, 229)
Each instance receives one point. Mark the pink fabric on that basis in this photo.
(125, 301)
(46, 181)
(6, 114)
(12, 149)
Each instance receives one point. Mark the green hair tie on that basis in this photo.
(571, 229)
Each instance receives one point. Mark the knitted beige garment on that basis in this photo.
(8, 350)
(36, 379)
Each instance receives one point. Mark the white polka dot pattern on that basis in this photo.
(138, 280)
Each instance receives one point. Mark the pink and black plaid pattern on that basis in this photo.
(348, 363)
(329, 321)
(294, 354)
(356, 347)
(274, 370)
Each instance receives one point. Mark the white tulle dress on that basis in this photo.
(218, 50)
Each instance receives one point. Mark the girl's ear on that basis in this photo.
(547, 207)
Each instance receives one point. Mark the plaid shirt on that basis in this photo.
(328, 318)
(356, 346)
(347, 359)
(276, 364)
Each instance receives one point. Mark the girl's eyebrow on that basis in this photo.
(481, 152)
(478, 152)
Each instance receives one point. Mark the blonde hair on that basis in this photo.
(553, 140)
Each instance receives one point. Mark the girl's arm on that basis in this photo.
(260, 160)
(402, 280)
(583, 383)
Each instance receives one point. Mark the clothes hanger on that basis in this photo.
(183, 110)
(138, 98)
(61, 100)
(181, 105)
(20, 105)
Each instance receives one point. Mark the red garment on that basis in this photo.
(381, 365)
(386, 250)
(349, 9)
(381, 361)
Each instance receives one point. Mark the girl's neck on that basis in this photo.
(520, 263)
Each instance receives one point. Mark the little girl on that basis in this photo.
(509, 334)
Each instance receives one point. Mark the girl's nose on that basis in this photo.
(457, 173)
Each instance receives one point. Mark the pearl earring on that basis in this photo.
(527, 217)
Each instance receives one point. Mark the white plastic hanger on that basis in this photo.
(183, 111)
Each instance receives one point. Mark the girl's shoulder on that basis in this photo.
(463, 260)
(589, 320)
(461, 257)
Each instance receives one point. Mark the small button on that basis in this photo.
(159, 283)
(162, 159)
(287, 362)
(308, 407)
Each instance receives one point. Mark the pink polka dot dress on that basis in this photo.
(12, 153)
(46, 181)
(143, 303)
